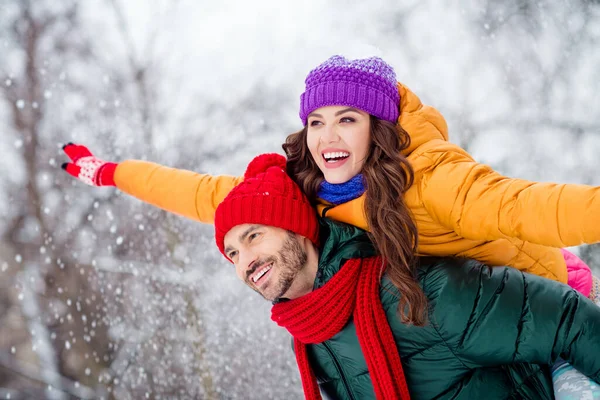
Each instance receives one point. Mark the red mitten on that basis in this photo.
(87, 168)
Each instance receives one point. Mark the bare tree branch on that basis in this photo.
(30, 372)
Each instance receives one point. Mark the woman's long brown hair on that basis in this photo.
(388, 175)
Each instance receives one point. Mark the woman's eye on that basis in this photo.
(347, 119)
(315, 123)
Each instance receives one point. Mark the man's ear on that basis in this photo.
(306, 242)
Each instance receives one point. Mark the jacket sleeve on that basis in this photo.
(192, 195)
(497, 316)
(480, 204)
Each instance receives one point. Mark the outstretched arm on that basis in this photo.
(192, 195)
(480, 204)
(182, 192)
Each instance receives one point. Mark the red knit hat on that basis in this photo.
(267, 196)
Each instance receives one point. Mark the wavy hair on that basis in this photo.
(388, 175)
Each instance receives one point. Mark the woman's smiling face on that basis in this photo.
(338, 138)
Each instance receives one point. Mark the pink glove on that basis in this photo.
(87, 168)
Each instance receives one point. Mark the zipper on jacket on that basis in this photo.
(339, 368)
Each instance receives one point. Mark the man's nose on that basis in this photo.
(245, 261)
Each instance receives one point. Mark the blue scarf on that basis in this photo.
(338, 193)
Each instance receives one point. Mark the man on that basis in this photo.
(491, 333)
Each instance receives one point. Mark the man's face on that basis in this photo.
(270, 260)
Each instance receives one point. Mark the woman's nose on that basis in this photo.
(329, 135)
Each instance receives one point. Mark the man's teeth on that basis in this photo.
(335, 155)
(261, 273)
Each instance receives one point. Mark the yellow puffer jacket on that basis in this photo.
(461, 208)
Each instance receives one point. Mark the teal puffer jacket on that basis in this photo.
(492, 333)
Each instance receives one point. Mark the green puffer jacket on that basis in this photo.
(492, 334)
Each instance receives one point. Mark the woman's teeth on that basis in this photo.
(335, 156)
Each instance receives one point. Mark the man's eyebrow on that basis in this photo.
(247, 232)
(242, 236)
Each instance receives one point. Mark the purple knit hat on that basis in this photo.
(368, 84)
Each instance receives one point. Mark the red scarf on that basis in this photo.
(321, 314)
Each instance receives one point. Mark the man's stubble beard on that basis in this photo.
(291, 259)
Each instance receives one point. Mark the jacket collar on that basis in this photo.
(339, 243)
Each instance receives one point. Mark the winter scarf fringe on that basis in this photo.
(321, 314)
